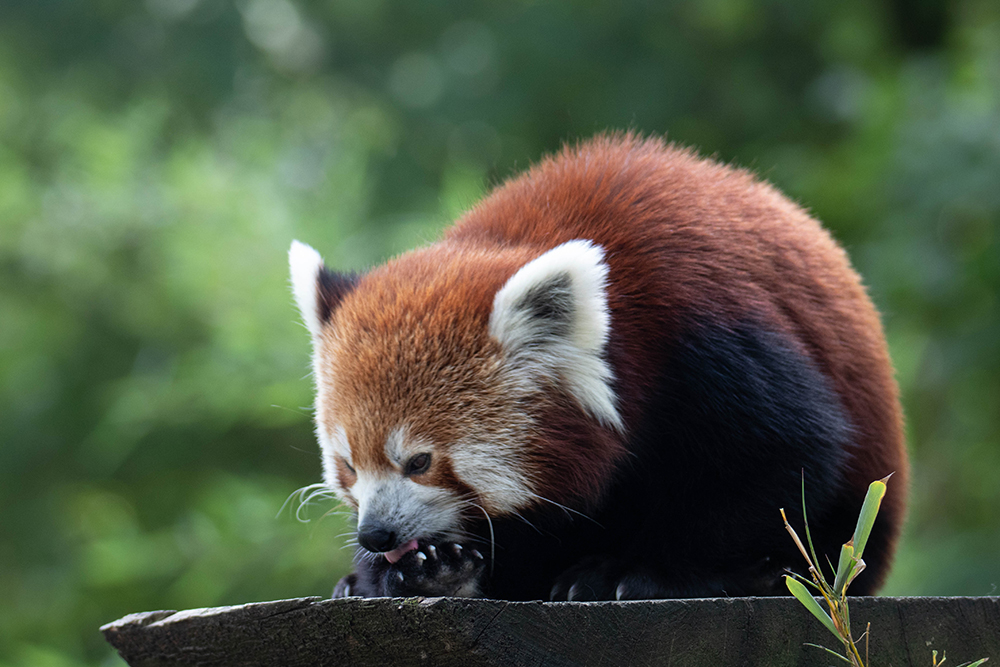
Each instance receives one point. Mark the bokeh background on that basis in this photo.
(157, 157)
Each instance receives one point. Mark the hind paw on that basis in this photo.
(346, 587)
(602, 578)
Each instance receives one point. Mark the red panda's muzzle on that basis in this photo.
(394, 512)
(377, 537)
(380, 539)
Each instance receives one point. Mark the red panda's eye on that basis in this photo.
(418, 464)
(348, 466)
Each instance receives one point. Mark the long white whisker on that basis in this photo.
(489, 522)
(522, 518)
(365, 555)
(568, 510)
(304, 497)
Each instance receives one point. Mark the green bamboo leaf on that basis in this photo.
(844, 568)
(873, 500)
(807, 582)
(801, 594)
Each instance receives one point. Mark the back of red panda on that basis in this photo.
(603, 383)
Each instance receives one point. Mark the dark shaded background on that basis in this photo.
(157, 157)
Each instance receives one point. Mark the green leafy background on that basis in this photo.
(157, 157)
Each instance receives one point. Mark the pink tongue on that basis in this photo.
(396, 554)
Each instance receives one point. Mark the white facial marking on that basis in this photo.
(412, 510)
(495, 469)
(552, 318)
(304, 264)
(332, 446)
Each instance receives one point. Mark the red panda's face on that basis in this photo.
(418, 423)
(431, 373)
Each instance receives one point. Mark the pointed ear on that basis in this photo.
(317, 290)
(552, 319)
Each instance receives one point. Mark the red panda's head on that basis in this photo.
(455, 381)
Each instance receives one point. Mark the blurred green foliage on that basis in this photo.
(157, 157)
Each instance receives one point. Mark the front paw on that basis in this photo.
(603, 578)
(431, 570)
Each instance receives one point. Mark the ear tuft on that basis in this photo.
(552, 319)
(317, 290)
(305, 265)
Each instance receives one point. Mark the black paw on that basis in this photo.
(346, 587)
(431, 570)
(602, 578)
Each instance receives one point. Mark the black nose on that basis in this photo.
(376, 537)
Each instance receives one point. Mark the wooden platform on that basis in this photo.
(467, 633)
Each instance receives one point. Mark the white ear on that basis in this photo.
(305, 265)
(551, 317)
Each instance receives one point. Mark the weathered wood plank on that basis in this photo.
(468, 633)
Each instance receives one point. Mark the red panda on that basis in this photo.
(602, 383)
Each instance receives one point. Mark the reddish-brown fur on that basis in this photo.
(700, 237)
(765, 254)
